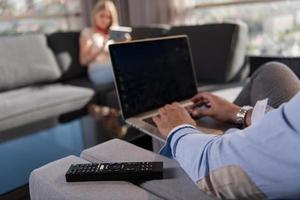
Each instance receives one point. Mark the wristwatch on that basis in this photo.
(240, 118)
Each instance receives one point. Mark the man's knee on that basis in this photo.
(274, 69)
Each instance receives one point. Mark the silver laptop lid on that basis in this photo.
(152, 73)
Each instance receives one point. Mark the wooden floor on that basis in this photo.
(21, 193)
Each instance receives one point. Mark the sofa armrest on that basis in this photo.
(175, 185)
(48, 183)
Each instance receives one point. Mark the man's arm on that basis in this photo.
(189, 146)
(263, 154)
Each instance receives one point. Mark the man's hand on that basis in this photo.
(170, 117)
(215, 107)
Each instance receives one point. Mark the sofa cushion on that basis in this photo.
(100, 94)
(31, 104)
(83, 82)
(142, 32)
(26, 60)
(65, 46)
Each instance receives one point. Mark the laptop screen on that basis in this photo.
(152, 73)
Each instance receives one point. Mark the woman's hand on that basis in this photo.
(207, 104)
(107, 43)
(127, 37)
(170, 117)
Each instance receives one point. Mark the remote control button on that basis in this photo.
(115, 166)
(101, 167)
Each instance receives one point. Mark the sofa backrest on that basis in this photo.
(65, 46)
(142, 32)
(26, 60)
(218, 49)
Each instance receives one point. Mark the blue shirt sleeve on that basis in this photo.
(186, 144)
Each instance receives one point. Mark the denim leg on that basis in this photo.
(102, 76)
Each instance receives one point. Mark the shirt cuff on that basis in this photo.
(174, 130)
(180, 131)
(259, 111)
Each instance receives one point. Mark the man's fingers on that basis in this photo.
(202, 97)
(168, 107)
(199, 112)
(162, 111)
(197, 98)
(196, 105)
(176, 104)
(189, 109)
(156, 119)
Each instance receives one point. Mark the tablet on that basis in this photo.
(119, 33)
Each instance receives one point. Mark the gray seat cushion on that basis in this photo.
(26, 60)
(48, 183)
(175, 185)
(30, 104)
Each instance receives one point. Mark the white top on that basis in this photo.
(97, 40)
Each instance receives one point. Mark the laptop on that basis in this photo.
(149, 74)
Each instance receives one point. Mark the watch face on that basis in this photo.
(241, 115)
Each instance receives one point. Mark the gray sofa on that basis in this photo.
(41, 78)
(56, 87)
(29, 86)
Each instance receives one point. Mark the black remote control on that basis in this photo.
(126, 171)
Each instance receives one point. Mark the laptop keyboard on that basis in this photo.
(149, 120)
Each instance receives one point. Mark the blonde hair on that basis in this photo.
(105, 5)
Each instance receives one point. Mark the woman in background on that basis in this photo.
(94, 54)
(94, 43)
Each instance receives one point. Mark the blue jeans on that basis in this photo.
(101, 76)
